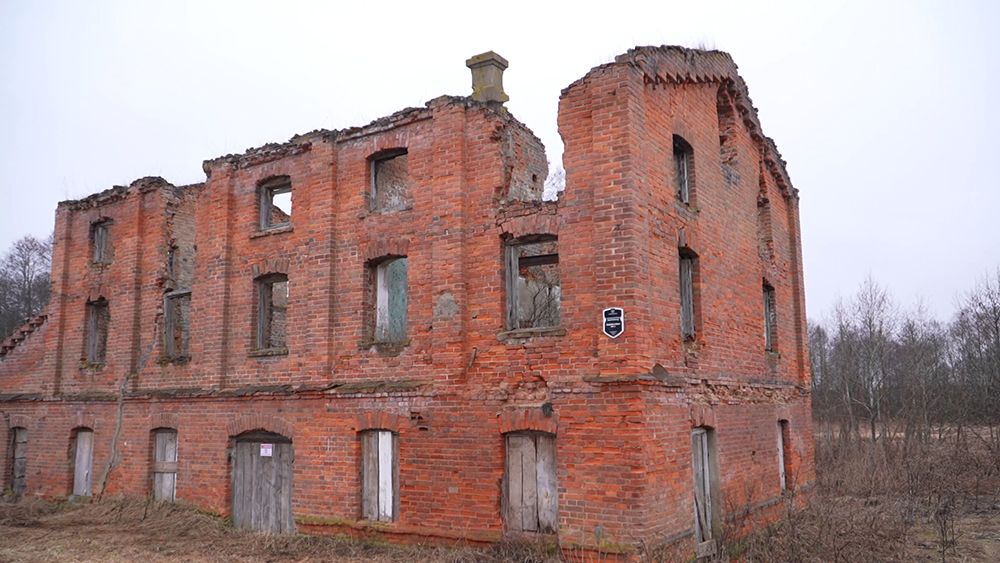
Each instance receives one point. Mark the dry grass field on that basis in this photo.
(935, 501)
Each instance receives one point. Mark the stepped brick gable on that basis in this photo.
(388, 329)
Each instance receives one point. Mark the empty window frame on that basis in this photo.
(705, 472)
(390, 180)
(164, 464)
(272, 312)
(177, 324)
(83, 461)
(770, 320)
(379, 475)
(688, 264)
(784, 458)
(531, 492)
(100, 236)
(390, 299)
(275, 203)
(534, 289)
(98, 320)
(683, 155)
(18, 461)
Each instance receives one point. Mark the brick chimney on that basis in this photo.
(487, 77)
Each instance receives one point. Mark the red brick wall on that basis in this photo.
(622, 409)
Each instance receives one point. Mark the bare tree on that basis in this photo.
(976, 341)
(24, 282)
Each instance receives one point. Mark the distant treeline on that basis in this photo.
(882, 372)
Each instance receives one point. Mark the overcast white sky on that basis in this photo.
(885, 111)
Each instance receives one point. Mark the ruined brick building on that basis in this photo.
(386, 329)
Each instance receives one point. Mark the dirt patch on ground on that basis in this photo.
(131, 530)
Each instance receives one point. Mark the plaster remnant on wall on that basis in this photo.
(445, 307)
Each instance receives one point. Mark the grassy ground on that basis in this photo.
(937, 501)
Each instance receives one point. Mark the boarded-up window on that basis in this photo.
(531, 493)
(177, 324)
(687, 296)
(100, 234)
(783, 454)
(534, 288)
(379, 470)
(770, 320)
(275, 203)
(390, 300)
(682, 168)
(262, 483)
(19, 460)
(98, 320)
(82, 461)
(703, 469)
(390, 181)
(272, 311)
(164, 464)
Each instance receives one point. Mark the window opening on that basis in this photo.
(783, 457)
(18, 461)
(172, 262)
(83, 461)
(98, 319)
(687, 296)
(390, 300)
(378, 475)
(272, 311)
(770, 320)
(531, 490)
(534, 289)
(177, 324)
(275, 203)
(703, 468)
(390, 181)
(164, 464)
(101, 238)
(682, 168)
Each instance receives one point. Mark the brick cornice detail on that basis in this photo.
(19, 421)
(392, 246)
(269, 266)
(378, 420)
(528, 419)
(702, 415)
(525, 225)
(84, 420)
(163, 420)
(267, 422)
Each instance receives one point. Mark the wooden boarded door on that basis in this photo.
(262, 483)
(19, 461)
(701, 467)
(83, 462)
(532, 496)
(165, 464)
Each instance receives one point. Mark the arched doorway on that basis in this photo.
(262, 482)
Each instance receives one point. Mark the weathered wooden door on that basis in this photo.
(19, 460)
(164, 464)
(701, 467)
(262, 483)
(83, 462)
(532, 496)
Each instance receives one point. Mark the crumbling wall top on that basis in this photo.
(118, 193)
(672, 64)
